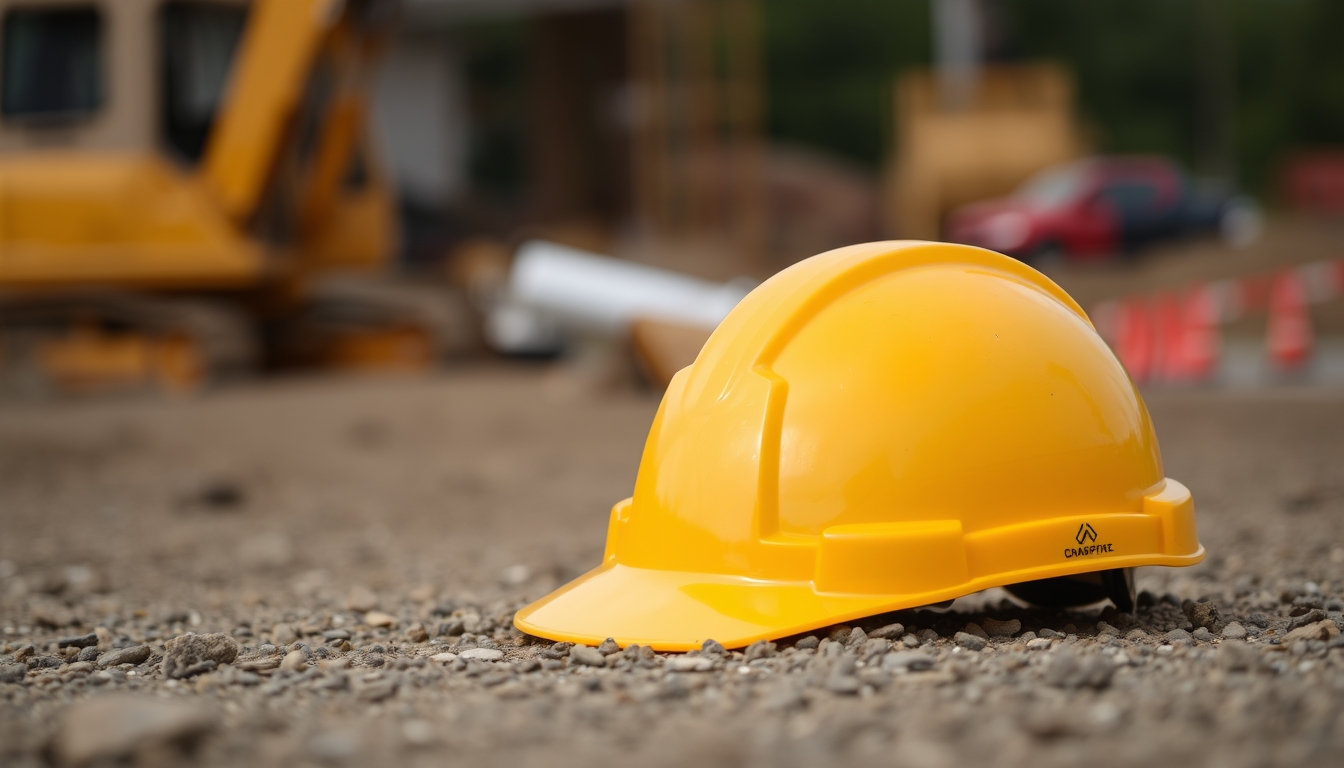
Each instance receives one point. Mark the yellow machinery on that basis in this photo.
(173, 178)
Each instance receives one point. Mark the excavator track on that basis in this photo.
(102, 342)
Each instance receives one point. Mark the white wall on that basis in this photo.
(420, 119)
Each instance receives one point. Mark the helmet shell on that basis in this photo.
(889, 425)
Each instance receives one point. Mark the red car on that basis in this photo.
(1101, 206)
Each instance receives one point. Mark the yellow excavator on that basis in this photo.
(176, 176)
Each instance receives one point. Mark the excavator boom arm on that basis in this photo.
(273, 65)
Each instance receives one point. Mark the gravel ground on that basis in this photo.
(324, 573)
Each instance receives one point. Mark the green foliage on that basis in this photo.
(831, 66)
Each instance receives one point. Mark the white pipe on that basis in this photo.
(598, 293)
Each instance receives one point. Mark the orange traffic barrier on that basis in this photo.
(1167, 337)
(1200, 342)
(1134, 344)
(1289, 336)
(1168, 341)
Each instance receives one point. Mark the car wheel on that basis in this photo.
(1240, 223)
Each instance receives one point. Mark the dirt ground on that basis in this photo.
(348, 532)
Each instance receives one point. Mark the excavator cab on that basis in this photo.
(179, 169)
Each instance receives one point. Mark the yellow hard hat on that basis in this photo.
(883, 426)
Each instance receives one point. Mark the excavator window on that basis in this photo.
(52, 63)
(198, 41)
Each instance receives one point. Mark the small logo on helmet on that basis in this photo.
(1086, 533)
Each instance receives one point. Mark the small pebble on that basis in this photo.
(912, 660)
(1202, 614)
(761, 649)
(487, 654)
(136, 654)
(379, 619)
(889, 632)
(688, 664)
(970, 642)
(189, 655)
(78, 641)
(975, 629)
(996, 628)
(294, 661)
(1178, 637)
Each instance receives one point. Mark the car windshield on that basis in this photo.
(1053, 188)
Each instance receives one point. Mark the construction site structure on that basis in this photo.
(175, 178)
(1014, 121)
(696, 114)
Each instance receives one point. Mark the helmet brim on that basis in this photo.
(679, 610)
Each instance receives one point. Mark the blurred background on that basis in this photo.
(515, 220)
(197, 190)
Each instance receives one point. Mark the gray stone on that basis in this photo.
(807, 643)
(911, 660)
(294, 661)
(873, 647)
(1310, 617)
(189, 655)
(78, 641)
(136, 654)
(996, 628)
(88, 654)
(712, 648)
(688, 664)
(970, 642)
(1237, 656)
(1202, 635)
(586, 656)
(1234, 631)
(975, 629)
(1202, 614)
(1179, 637)
(379, 690)
(1321, 630)
(843, 684)
(494, 654)
(889, 632)
(120, 726)
(857, 637)
(608, 647)
(761, 649)
(13, 673)
(1069, 670)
